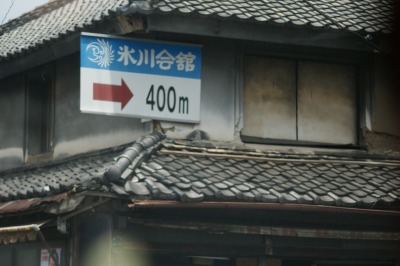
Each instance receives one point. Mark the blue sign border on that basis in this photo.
(106, 52)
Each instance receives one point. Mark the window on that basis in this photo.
(299, 102)
(39, 111)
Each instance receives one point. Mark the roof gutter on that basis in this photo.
(164, 204)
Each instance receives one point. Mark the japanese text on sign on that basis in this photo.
(142, 57)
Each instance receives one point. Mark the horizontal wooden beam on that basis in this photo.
(238, 250)
(258, 205)
(201, 249)
(270, 230)
(338, 254)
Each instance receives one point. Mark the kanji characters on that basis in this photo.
(144, 57)
(164, 59)
(126, 55)
(185, 61)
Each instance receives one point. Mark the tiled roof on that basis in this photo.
(369, 16)
(57, 19)
(52, 21)
(156, 169)
(53, 178)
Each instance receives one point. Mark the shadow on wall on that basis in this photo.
(10, 162)
(198, 135)
(10, 158)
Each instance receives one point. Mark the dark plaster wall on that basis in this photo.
(386, 93)
(384, 136)
(12, 113)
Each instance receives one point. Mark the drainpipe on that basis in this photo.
(36, 228)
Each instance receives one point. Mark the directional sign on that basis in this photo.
(140, 78)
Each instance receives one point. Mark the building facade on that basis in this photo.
(295, 159)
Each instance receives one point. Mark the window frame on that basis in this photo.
(362, 62)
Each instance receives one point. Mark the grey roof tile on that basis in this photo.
(119, 190)
(220, 185)
(242, 188)
(369, 201)
(171, 179)
(184, 180)
(207, 181)
(183, 186)
(162, 189)
(150, 184)
(139, 188)
(192, 196)
(287, 198)
(326, 200)
(246, 196)
(225, 195)
(300, 190)
(178, 192)
(127, 173)
(208, 194)
(387, 199)
(347, 202)
(269, 198)
(198, 184)
(305, 199)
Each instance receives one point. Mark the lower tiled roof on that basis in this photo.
(53, 178)
(157, 169)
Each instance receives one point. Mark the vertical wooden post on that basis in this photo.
(73, 245)
(110, 227)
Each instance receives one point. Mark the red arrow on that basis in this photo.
(112, 93)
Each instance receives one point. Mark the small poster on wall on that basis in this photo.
(45, 259)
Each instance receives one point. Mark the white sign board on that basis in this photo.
(140, 78)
